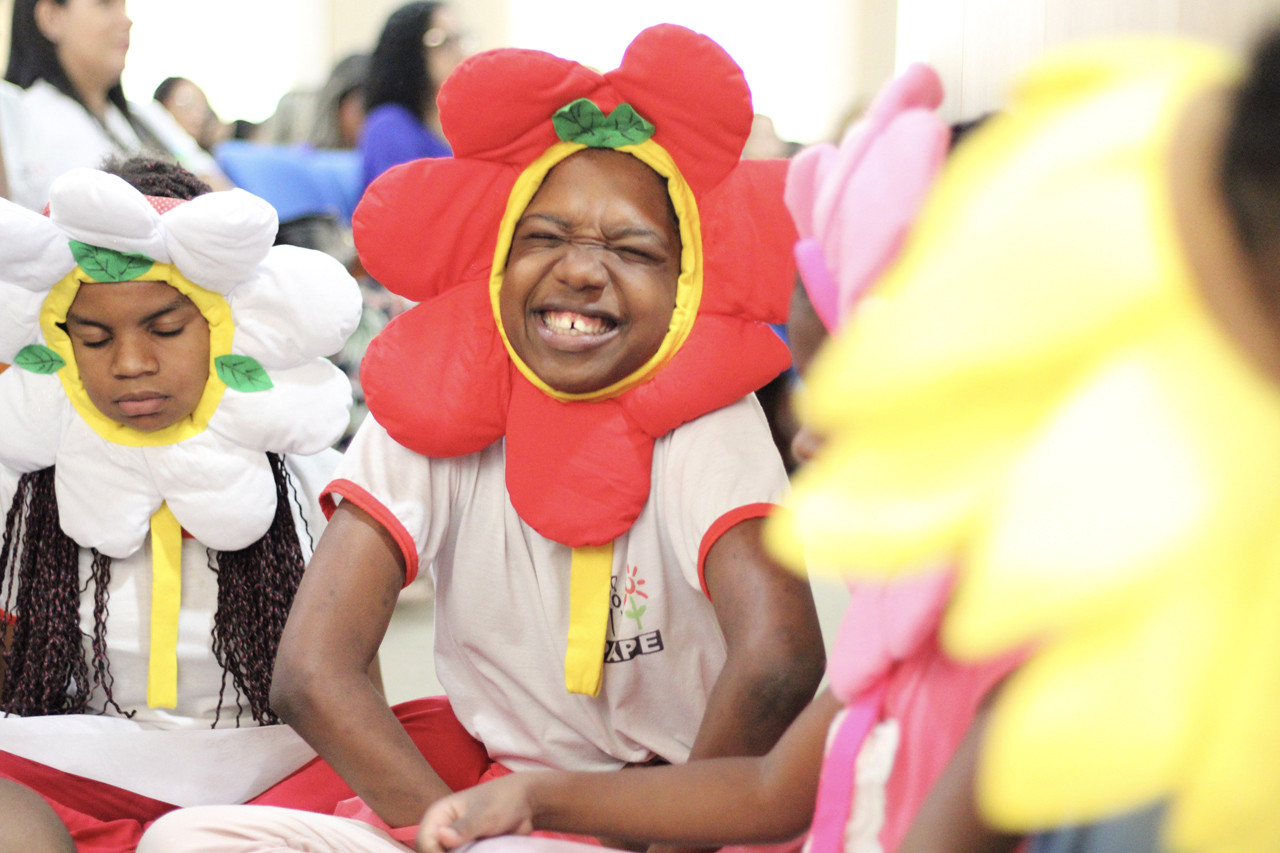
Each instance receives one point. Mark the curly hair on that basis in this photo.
(156, 177)
(49, 670)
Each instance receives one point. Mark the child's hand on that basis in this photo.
(499, 807)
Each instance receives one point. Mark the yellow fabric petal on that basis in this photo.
(166, 598)
(1129, 485)
(590, 571)
(1101, 721)
(1229, 796)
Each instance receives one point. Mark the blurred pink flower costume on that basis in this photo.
(157, 503)
(1081, 427)
(909, 704)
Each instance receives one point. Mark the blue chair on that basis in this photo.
(298, 181)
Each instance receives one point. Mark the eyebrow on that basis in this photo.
(614, 234)
(179, 302)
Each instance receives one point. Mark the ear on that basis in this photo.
(48, 16)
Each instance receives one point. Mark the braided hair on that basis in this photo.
(255, 590)
(46, 668)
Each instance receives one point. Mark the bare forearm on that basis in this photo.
(326, 678)
(713, 802)
(352, 727)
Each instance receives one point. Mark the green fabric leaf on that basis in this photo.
(583, 122)
(107, 264)
(242, 373)
(39, 359)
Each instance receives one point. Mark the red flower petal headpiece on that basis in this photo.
(441, 379)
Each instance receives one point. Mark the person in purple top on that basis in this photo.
(419, 46)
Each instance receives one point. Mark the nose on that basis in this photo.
(134, 356)
(582, 266)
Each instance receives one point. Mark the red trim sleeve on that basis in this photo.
(349, 491)
(8, 618)
(718, 529)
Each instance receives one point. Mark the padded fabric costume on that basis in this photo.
(173, 739)
(1040, 392)
(273, 313)
(441, 378)
(907, 703)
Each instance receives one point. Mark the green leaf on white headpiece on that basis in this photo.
(583, 122)
(242, 373)
(39, 359)
(107, 264)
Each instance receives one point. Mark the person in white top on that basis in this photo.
(162, 448)
(564, 438)
(68, 56)
(10, 104)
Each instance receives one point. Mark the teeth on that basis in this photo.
(571, 323)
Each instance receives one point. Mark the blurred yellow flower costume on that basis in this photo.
(1037, 390)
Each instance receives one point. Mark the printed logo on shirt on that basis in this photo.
(629, 603)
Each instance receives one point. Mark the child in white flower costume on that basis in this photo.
(162, 438)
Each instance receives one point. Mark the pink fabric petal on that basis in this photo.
(884, 624)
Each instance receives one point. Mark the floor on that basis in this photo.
(407, 668)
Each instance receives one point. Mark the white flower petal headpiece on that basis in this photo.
(274, 312)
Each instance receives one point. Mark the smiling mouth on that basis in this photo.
(574, 324)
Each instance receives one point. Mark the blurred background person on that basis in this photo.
(418, 48)
(9, 106)
(340, 107)
(68, 55)
(189, 106)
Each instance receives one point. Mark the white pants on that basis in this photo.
(268, 829)
(262, 829)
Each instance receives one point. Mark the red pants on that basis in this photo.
(106, 819)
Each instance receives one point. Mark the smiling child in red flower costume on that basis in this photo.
(563, 431)
(443, 380)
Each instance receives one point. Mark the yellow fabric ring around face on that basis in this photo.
(590, 572)
(166, 599)
(212, 306)
(688, 285)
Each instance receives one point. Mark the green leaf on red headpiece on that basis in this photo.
(39, 359)
(102, 264)
(585, 123)
(242, 373)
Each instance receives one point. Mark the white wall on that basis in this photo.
(243, 67)
(809, 62)
(795, 56)
(979, 46)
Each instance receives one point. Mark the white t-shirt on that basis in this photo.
(171, 754)
(10, 126)
(502, 590)
(58, 134)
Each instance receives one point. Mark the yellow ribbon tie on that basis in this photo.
(166, 596)
(590, 572)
